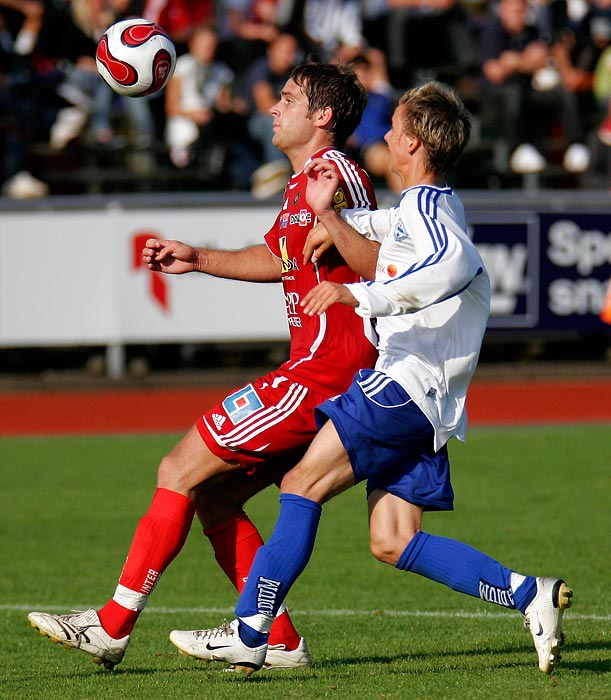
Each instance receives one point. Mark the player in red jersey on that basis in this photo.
(261, 430)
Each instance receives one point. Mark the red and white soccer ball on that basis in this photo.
(135, 57)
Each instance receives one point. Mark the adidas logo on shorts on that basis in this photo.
(218, 420)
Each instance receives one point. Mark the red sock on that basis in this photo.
(235, 542)
(160, 535)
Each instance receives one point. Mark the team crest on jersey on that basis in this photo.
(242, 404)
(339, 200)
(400, 234)
(218, 420)
(297, 197)
(287, 264)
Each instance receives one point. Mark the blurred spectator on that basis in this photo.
(24, 103)
(204, 126)
(601, 144)
(602, 89)
(331, 29)
(512, 54)
(245, 29)
(429, 38)
(367, 142)
(575, 51)
(261, 87)
(376, 16)
(179, 17)
(89, 99)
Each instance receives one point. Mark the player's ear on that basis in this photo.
(412, 143)
(325, 117)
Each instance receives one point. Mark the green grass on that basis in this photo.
(535, 498)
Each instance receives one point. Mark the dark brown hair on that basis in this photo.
(334, 86)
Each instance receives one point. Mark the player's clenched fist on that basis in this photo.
(171, 257)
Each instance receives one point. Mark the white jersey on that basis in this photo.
(431, 298)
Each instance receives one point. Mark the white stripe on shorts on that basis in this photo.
(374, 384)
(262, 420)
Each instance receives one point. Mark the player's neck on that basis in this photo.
(421, 177)
(300, 155)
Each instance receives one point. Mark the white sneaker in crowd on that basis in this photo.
(270, 179)
(68, 125)
(526, 159)
(23, 185)
(576, 158)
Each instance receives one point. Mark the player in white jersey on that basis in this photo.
(431, 298)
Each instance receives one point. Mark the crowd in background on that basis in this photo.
(536, 74)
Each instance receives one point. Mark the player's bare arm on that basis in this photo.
(360, 253)
(252, 264)
(320, 298)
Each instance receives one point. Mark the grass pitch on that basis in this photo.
(535, 498)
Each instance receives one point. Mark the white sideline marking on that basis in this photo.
(320, 613)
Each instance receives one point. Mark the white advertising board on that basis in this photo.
(75, 278)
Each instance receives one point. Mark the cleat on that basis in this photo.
(544, 618)
(278, 657)
(195, 643)
(84, 631)
(220, 644)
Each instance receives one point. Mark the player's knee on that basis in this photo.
(296, 482)
(387, 550)
(382, 552)
(171, 476)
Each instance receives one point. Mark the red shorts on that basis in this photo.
(269, 421)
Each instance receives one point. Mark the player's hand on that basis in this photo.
(320, 298)
(323, 181)
(317, 242)
(171, 257)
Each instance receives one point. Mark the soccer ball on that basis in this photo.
(135, 57)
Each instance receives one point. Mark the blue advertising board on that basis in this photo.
(549, 271)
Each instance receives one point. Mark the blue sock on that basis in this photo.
(276, 566)
(466, 570)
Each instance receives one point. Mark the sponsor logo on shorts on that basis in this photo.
(218, 420)
(242, 404)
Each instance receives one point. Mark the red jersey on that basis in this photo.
(326, 350)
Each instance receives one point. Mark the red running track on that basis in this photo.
(166, 410)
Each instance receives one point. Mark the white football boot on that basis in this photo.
(220, 644)
(195, 643)
(544, 618)
(278, 656)
(84, 631)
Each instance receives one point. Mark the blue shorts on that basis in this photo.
(390, 441)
